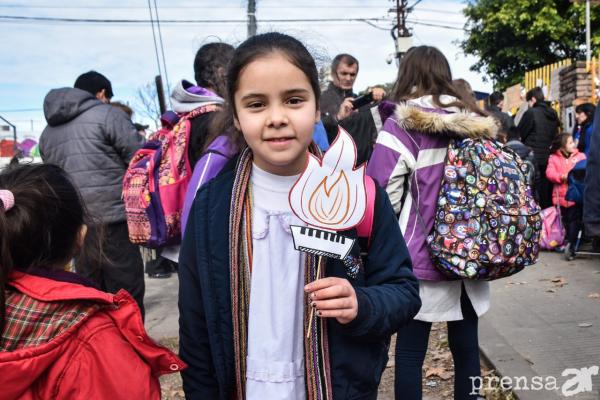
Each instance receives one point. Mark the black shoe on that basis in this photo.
(159, 275)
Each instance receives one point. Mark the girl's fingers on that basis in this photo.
(335, 304)
(343, 316)
(331, 292)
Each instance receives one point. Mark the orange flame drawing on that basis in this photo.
(331, 193)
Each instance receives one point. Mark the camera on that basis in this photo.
(362, 101)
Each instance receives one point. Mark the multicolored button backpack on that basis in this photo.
(487, 224)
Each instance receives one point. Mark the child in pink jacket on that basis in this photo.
(564, 156)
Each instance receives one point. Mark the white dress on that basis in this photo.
(275, 362)
(440, 301)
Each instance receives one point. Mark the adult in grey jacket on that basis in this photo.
(94, 141)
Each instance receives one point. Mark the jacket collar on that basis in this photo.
(441, 122)
(47, 289)
(341, 92)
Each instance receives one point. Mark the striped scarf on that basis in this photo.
(316, 350)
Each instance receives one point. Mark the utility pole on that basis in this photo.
(588, 50)
(400, 32)
(251, 18)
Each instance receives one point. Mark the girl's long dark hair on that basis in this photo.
(210, 65)
(425, 71)
(41, 229)
(256, 47)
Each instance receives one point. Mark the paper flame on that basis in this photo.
(331, 193)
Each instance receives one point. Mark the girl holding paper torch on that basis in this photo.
(246, 295)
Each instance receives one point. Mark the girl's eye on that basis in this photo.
(255, 104)
(296, 100)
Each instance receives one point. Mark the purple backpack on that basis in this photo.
(155, 184)
(553, 231)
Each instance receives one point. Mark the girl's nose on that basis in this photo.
(277, 118)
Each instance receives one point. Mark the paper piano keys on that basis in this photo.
(329, 196)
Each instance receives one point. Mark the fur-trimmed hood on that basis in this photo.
(462, 124)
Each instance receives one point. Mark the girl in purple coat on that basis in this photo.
(408, 160)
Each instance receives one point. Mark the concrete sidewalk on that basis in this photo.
(162, 313)
(542, 321)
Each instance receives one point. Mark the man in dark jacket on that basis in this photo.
(94, 142)
(538, 128)
(494, 107)
(337, 107)
(591, 200)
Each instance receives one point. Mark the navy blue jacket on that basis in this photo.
(386, 289)
(591, 196)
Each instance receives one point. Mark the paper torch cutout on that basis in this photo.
(329, 196)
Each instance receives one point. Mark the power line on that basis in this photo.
(212, 7)
(183, 21)
(24, 19)
(455, 28)
(15, 110)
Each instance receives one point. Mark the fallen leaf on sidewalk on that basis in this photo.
(529, 360)
(594, 296)
(559, 281)
(439, 372)
(551, 291)
(585, 325)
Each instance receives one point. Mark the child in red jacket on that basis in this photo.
(61, 338)
(562, 160)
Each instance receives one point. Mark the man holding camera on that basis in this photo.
(341, 106)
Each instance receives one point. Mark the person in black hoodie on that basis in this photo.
(537, 128)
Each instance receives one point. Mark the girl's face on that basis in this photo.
(580, 117)
(569, 145)
(276, 112)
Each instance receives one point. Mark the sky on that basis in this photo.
(40, 55)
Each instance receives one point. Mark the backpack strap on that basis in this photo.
(365, 228)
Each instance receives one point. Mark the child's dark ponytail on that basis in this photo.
(41, 229)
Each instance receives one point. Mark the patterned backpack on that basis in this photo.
(155, 184)
(487, 224)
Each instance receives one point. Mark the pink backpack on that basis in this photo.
(155, 184)
(365, 228)
(553, 231)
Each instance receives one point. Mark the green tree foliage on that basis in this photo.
(510, 37)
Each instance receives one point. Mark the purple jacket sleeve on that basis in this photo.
(392, 161)
(220, 151)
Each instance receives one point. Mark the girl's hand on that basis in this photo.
(333, 298)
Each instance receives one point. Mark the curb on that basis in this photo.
(499, 354)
